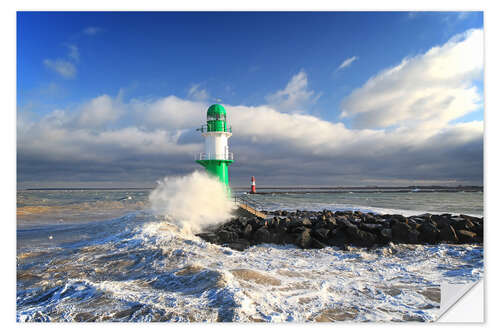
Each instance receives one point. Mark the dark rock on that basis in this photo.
(440, 221)
(294, 222)
(360, 237)
(354, 220)
(385, 236)
(262, 235)
(247, 231)
(447, 234)
(298, 229)
(343, 222)
(365, 238)
(446, 216)
(321, 234)
(368, 218)
(460, 223)
(255, 223)
(429, 233)
(273, 222)
(209, 237)
(316, 244)
(286, 221)
(386, 233)
(401, 232)
(283, 238)
(337, 237)
(243, 221)
(306, 222)
(477, 228)
(319, 229)
(343, 213)
(303, 240)
(351, 229)
(472, 218)
(227, 236)
(413, 237)
(282, 226)
(371, 227)
(239, 245)
(413, 224)
(332, 220)
(466, 236)
(399, 218)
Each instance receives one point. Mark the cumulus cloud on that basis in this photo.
(346, 63)
(427, 91)
(169, 112)
(274, 146)
(62, 67)
(99, 111)
(295, 97)
(419, 139)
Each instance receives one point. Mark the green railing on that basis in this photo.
(205, 128)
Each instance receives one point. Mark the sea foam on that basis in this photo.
(191, 202)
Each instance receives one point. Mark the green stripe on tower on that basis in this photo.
(218, 168)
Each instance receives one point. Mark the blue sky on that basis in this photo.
(238, 57)
(67, 59)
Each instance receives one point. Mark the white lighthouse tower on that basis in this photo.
(216, 132)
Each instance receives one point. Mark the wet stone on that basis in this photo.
(308, 229)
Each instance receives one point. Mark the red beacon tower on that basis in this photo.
(252, 189)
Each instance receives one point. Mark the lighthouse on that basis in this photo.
(216, 132)
(252, 187)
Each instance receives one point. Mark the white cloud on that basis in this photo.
(295, 98)
(169, 112)
(262, 136)
(346, 63)
(425, 91)
(99, 111)
(417, 99)
(73, 53)
(198, 94)
(91, 31)
(64, 68)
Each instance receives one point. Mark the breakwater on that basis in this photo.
(309, 229)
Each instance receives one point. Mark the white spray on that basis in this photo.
(192, 202)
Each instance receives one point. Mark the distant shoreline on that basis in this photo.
(373, 191)
(296, 189)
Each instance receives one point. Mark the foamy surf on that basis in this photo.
(149, 266)
(158, 273)
(192, 202)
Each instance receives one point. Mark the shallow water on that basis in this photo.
(137, 267)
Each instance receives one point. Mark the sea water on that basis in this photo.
(106, 255)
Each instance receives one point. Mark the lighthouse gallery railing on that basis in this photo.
(210, 156)
(205, 128)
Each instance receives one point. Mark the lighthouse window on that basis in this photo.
(217, 117)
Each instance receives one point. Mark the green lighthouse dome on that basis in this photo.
(216, 111)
